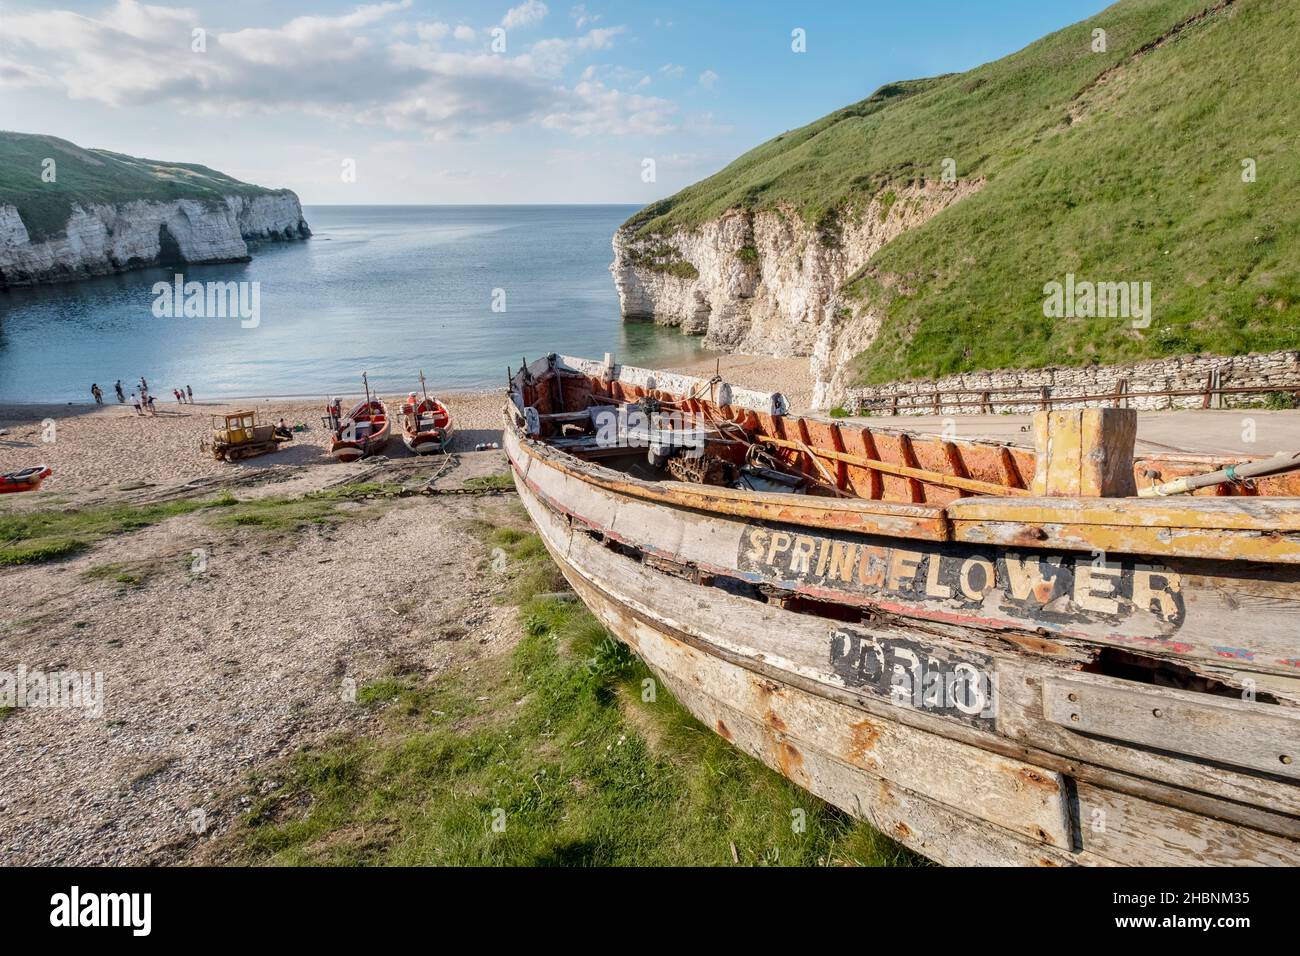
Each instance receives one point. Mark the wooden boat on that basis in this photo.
(364, 431)
(25, 479)
(426, 423)
(995, 654)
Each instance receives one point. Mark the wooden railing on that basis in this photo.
(1041, 397)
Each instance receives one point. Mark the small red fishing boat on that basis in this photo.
(364, 431)
(426, 423)
(25, 479)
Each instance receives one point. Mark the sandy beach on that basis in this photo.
(94, 449)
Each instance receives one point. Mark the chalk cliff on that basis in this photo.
(67, 212)
(100, 239)
(768, 283)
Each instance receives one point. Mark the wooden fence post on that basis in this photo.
(1085, 452)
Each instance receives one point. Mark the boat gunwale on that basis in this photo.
(1259, 528)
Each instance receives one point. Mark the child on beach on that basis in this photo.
(149, 401)
(97, 392)
(176, 393)
(135, 401)
(121, 395)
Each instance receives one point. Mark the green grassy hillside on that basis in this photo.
(1117, 166)
(95, 175)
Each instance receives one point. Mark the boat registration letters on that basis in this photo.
(911, 674)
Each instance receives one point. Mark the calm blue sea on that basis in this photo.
(383, 289)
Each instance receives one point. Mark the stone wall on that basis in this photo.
(1190, 372)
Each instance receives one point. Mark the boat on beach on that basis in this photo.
(362, 432)
(25, 479)
(426, 423)
(994, 653)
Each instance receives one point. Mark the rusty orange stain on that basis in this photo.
(790, 760)
(1038, 780)
(865, 735)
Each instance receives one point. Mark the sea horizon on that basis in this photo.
(460, 291)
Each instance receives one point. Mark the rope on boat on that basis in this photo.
(1279, 464)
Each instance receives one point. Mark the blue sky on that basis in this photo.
(414, 94)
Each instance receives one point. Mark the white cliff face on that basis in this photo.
(103, 239)
(767, 283)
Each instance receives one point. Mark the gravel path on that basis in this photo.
(208, 676)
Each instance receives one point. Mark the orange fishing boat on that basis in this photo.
(364, 431)
(426, 423)
(25, 479)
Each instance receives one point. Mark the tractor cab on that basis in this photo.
(242, 434)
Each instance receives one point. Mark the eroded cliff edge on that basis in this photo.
(768, 282)
(105, 238)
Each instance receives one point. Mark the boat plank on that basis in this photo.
(1261, 738)
(930, 828)
(1119, 827)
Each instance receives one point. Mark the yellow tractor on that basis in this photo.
(244, 436)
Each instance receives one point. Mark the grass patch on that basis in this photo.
(1279, 401)
(553, 756)
(503, 482)
(664, 258)
(134, 574)
(839, 411)
(329, 508)
(40, 536)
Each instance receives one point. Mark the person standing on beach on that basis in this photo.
(135, 402)
(149, 402)
(97, 392)
(176, 394)
(189, 394)
(121, 395)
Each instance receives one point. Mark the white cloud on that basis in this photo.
(525, 15)
(708, 79)
(551, 56)
(672, 70)
(704, 124)
(593, 108)
(613, 74)
(355, 67)
(582, 18)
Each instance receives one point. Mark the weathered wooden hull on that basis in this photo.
(955, 793)
(982, 693)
